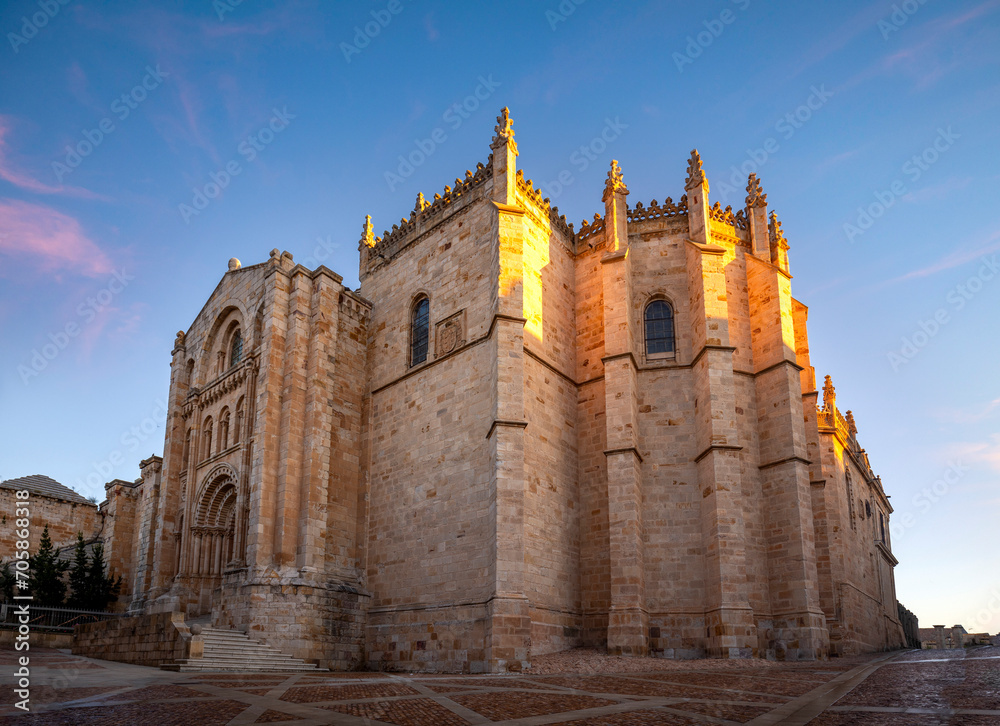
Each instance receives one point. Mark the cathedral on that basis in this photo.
(514, 438)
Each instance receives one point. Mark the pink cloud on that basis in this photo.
(24, 181)
(53, 239)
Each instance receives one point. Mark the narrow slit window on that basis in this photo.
(236, 349)
(420, 331)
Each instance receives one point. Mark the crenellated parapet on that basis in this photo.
(355, 307)
(641, 213)
(830, 419)
(589, 230)
(544, 205)
(737, 220)
(426, 215)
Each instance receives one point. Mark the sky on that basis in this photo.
(142, 145)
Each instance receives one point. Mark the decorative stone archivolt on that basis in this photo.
(217, 501)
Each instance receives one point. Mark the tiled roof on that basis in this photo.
(44, 486)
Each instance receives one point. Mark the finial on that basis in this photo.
(179, 340)
(696, 175)
(504, 130)
(777, 234)
(368, 234)
(755, 197)
(615, 183)
(829, 394)
(422, 203)
(852, 428)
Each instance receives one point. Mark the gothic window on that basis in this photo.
(881, 527)
(659, 320)
(420, 328)
(236, 348)
(206, 439)
(187, 448)
(239, 422)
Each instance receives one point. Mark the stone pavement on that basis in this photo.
(913, 687)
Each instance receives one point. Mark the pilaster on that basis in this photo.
(799, 623)
(628, 619)
(729, 620)
(508, 628)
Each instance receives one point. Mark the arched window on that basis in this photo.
(239, 422)
(850, 500)
(659, 320)
(236, 348)
(206, 439)
(187, 448)
(420, 328)
(224, 429)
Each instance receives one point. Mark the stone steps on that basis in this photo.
(231, 650)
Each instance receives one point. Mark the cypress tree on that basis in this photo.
(46, 585)
(78, 576)
(102, 589)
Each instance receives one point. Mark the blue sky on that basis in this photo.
(873, 126)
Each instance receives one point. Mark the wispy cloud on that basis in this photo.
(953, 259)
(52, 240)
(27, 182)
(971, 414)
(937, 192)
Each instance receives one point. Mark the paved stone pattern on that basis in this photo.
(918, 688)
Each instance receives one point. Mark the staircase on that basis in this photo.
(231, 650)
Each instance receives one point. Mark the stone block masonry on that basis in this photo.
(493, 449)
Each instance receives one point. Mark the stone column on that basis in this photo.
(799, 621)
(318, 423)
(508, 628)
(729, 620)
(166, 549)
(628, 620)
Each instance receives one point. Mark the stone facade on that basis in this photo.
(495, 449)
(52, 505)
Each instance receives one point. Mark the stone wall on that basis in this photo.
(64, 520)
(147, 640)
(322, 625)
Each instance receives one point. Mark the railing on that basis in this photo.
(60, 620)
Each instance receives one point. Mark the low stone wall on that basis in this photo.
(147, 640)
(37, 639)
